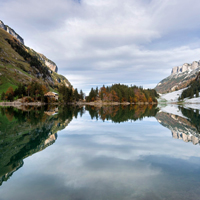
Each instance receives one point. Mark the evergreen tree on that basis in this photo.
(81, 95)
(3, 96)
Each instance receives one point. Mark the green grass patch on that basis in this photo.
(5, 86)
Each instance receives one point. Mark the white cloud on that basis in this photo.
(108, 41)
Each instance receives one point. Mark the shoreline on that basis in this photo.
(97, 104)
(17, 103)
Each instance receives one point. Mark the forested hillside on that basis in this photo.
(192, 90)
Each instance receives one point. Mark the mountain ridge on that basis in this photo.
(11, 32)
(49, 63)
(181, 77)
(21, 64)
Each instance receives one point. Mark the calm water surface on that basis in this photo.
(110, 153)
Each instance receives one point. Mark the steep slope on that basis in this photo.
(20, 64)
(193, 89)
(180, 78)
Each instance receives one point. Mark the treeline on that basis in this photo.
(36, 92)
(33, 92)
(32, 60)
(122, 93)
(192, 90)
(67, 94)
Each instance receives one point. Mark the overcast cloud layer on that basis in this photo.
(96, 42)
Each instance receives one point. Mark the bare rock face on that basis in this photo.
(180, 77)
(195, 65)
(185, 67)
(14, 34)
(2, 25)
(51, 65)
(11, 32)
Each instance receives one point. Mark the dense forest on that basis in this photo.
(67, 94)
(192, 90)
(122, 93)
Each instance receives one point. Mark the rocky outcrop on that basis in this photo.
(9, 54)
(180, 78)
(11, 32)
(185, 67)
(2, 25)
(50, 64)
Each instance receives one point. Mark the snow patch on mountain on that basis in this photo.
(170, 97)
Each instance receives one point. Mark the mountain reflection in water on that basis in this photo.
(28, 131)
(186, 127)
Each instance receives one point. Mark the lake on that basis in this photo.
(110, 153)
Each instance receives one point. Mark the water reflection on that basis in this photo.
(185, 127)
(122, 113)
(97, 159)
(25, 132)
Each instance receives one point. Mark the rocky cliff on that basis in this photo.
(11, 32)
(181, 77)
(21, 64)
(50, 64)
(185, 67)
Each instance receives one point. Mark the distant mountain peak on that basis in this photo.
(185, 67)
(181, 77)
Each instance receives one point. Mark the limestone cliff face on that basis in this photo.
(50, 64)
(185, 67)
(11, 32)
(180, 77)
(2, 25)
(10, 54)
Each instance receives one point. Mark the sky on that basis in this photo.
(96, 42)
